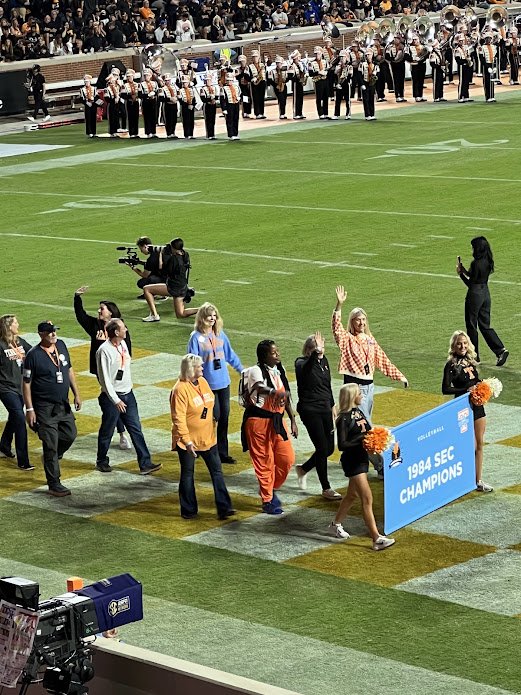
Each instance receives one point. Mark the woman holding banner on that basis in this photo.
(459, 376)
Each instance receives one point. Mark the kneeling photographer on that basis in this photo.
(151, 274)
(175, 265)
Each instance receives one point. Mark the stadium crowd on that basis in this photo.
(35, 29)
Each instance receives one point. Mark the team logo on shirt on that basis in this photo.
(63, 360)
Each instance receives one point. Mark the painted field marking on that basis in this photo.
(237, 282)
(56, 307)
(313, 172)
(362, 253)
(442, 147)
(171, 194)
(441, 236)
(405, 246)
(280, 272)
(267, 257)
(480, 229)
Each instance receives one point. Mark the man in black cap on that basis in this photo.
(38, 89)
(47, 378)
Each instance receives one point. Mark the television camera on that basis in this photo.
(132, 259)
(61, 656)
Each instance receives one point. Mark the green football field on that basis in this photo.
(273, 223)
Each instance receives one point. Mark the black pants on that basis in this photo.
(368, 98)
(488, 80)
(319, 426)
(113, 117)
(148, 108)
(221, 414)
(170, 118)
(57, 431)
(398, 70)
(258, 92)
(133, 117)
(381, 81)
(39, 103)
(188, 117)
(418, 79)
(246, 98)
(449, 58)
(437, 82)
(232, 120)
(210, 112)
(282, 98)
(122, 115)
(90, 119)
(321, 97)
(331, 82)
(465, 78)
(15, 426)
(514, 67)
(343, 93)
(298, 98)
(477, 315)
(356, 84)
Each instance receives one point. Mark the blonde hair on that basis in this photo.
(471, 351)
(6, 334)
(204, 311)
(188, 365)
(346, 398)
(309, 346)
(357, 311)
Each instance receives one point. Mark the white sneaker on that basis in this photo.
(301, 478)
(483, 487)
(331, 494)
(338, 531)
(334, 118)
(124, 442)
(382, 542)
(47, 118)
(30, 118)
(151, 318)
(348, 118)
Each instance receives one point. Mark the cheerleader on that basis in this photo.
(210, 98)
(130, 95)
(351, 426)
(168, 95)
(459, 376)
(90, 99)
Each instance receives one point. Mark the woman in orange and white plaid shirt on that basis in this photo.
(360, 354)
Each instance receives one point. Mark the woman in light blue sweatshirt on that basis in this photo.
(211, 343)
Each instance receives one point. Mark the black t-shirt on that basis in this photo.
(350, 429)
(11, 362)
(313, 383)
(41, 372)
(152, 264)
(175, 267)
(37, 83)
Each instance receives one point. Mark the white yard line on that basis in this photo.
(267, 257)
(406, 246)
(441, 236)
(238, 282)
(280, 272)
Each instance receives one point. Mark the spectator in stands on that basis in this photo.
(115, 36)
(6, 45)
(184, 29)
(96, 40)
(145, 12)
(56, 47)
(279, 18)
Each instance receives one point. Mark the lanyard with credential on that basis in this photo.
(204, 412)
(364, 346)
(121, 353)
(59, 375)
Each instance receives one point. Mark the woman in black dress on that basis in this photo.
(477, 301)
(351, 426)
(316, 409)
(459, 376)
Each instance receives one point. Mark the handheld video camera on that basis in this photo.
(131, 259)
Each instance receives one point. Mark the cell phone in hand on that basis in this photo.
(459, 260)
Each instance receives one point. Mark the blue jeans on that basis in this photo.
(221, 413)
(367, 391)
(130, 418)
(187, 498)
(15, 425)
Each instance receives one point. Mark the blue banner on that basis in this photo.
(431, 463)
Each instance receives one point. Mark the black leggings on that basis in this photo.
(477, 315)
(320, 428)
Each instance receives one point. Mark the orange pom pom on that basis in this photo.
(377, 440)
(480, 393)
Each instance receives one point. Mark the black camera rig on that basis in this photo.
(131, 259)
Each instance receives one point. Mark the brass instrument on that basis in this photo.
(387, 30)
(450, 15)
(261, 73)
(496, 17)
(424, 27)
(365, 35)
(471, 17)
(404, 25)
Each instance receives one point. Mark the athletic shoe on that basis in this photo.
(222, 516)
(6, 454)
(276, 501)
(150, 469)
(104, 468)
(502, 358)
(337, 531)
(270, 508)
(228, 459)
(283, 118)
(189, 517)
(331, 494)
(30, 118)
(382, 542)
(141, 297)
(301, 477)
(26, 468)
(334, 118)
(151, 318)
(124, 442)
(47, 118)
(483, 487)
(348, 118)
(161, 299)
(59, 490)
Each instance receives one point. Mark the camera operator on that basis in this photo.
(37, 86)
(176, 267)
(150, 275)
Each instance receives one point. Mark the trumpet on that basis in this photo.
(450, 15)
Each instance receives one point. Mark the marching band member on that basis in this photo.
(148, 95)
(224, 68)
(416, 54)
(278, 77)
(395, 54)
(230, 105)
(210, 97)
(186, 98)
(258, 84)
(437, 61)
(318, 71)
(244, 79)
(185, 70)
(330, 53)
(112, 97)
(356, 56)
(298, 75)
(512, 46)
(122, 114)
(130, 94)
(384, 76)
(463, 56)
(344, 73)
(446, 39)
(90, 100)
(488, 54)
(168, 96)
(369, 72)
